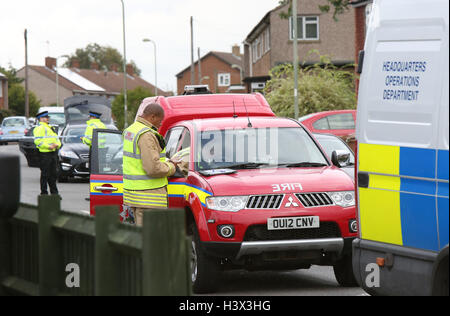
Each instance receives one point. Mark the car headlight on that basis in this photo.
(226, 203)
(344, 198)
(68, 154)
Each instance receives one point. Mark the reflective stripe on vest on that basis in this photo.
(44, 136)
(134, 175)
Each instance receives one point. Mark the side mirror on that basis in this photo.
(340, 158)
(9, 185)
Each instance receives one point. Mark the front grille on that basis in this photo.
(265, 201)
(261, 233)
(314, 199)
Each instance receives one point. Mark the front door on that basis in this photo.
(106, 180)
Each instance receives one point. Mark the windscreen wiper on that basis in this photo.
(303, 164)
(248, 165)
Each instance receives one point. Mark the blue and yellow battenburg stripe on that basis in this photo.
(175, 189)
(183, 190)
(117, 184)
(407, 200)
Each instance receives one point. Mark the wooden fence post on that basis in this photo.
(51, 269)
(164, 253)
(106, 271)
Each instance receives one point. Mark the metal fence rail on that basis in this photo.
(42, 249)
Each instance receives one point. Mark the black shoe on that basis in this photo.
(87, 199)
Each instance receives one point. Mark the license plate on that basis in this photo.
(293, 222)
(14, 132)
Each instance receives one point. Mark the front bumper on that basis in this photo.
(70, 167)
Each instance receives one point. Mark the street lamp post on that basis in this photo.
(146, 40)
(124, 69)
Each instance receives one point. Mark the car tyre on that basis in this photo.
(343, 271)
(205, 270)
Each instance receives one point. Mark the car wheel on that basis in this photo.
(205, 270)
(343, 271)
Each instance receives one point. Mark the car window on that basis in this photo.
(14, 122)
(172, 139)
(331, 143)
(222, 148)
(322, 124)
(73, 136)
(186, 141)
(341, 121)
(109, 158)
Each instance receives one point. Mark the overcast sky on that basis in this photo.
(59, 27)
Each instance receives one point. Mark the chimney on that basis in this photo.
(75, 63)
(114, 67)
(94, 65)
(130, 69)
(236, 50)
(50, 62)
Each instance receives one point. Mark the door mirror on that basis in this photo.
(9, 185)
(340, 158)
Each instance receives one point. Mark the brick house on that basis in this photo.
(222, 72)
(3, 92)
(270, 43)
(74, 81)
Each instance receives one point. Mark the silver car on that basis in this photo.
(13, 129)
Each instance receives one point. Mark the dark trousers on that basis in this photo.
(48, 165)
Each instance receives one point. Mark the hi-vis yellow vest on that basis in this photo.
(91, 125)
(134, 175)
(44, 136)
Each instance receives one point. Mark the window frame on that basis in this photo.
(302, 37)
(225, 76)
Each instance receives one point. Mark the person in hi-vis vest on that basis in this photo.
(145, 167)
(94, 122)
(48, 143)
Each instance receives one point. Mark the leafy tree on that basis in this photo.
(134, 99)
(104, 56)
(340, 6)
(16, 94)
(16, 100)
(321, 87)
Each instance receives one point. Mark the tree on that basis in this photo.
(321, 87)
(134, 99)
(16, 94)
(340, 6)
(104, 56)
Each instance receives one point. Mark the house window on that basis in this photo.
(254, 50)
(307, 28)
(224, 80)
(266, 40)
(1, 89)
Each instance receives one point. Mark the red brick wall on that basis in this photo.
(211, 67)
(360, 35)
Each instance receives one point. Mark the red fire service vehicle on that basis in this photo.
(258, 190)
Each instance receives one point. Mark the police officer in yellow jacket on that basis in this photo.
(48, 143)
(93, 123)
(145, 168)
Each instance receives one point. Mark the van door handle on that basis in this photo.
(106, 189)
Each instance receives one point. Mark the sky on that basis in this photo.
(59, 27)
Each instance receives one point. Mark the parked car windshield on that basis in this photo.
(14, 122)
(331, 143)
(256, 147)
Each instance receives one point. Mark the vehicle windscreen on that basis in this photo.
(13, 122)
(57, 119)
(73, 136)
(257, 147)
(80, 112)
(330, 144)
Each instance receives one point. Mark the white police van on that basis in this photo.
(403, 150)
